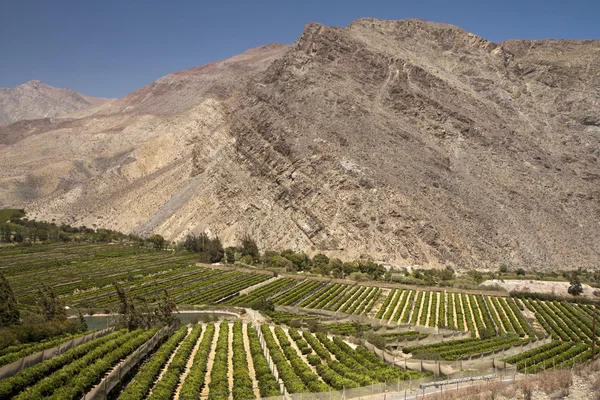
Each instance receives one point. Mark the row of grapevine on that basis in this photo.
(263, 293)
(556, 354)
(166, 386)
(455, 350)
(76, 378)
(145, 378)
(297, 293)
(90, 351)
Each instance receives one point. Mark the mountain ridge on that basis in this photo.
(409, 142)
(35, 99)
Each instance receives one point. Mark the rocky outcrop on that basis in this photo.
(409, 142)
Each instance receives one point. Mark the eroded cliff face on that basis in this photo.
(421, 143)
(409, 142)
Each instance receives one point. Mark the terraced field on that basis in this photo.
(457, 311)
(349, 299)
(571, 328)
(219, 361)
(82, 275)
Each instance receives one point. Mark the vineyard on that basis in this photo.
(83, 275)
(481, 315)
(212, 360)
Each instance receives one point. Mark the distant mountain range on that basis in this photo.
(410, 142)
(35, 99)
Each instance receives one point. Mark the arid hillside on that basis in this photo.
(35, 99)
(409, 142)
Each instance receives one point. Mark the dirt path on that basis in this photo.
(462, 308)
(384, 294)
(454, 310)
(251, 370)
(393, 315)
(166, 366)
(495, 310)
(437, 313)
(302, 356)
(230, 359)
(420, 310)
(406, 305)
(190, 362)
(472, 315)
(211, 360)
(430, 309)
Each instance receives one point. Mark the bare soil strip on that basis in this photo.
(251, 369)
(211, 360)
(166, 366)
(420, 309)
(462, 308)
(472, 315)
(302, 356)
(230, 359)
(395, 310)
(190, 362)
(497, 312)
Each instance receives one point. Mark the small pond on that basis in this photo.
(97, 322)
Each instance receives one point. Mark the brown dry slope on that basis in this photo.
(420, 142)
(408, 141)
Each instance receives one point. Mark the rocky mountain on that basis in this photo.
(35, 99)
(409, 142)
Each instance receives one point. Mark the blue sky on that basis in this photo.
(110, 48)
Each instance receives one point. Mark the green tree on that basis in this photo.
(230, 255)
(18, 237)
(575, 287)
(53, 309)
(249, 248)
(9, 312)
(82, 322)
(130, 316)
(158, 241)
(166, 308)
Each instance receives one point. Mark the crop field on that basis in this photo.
(457, 311)
(82, 275)
(349, 299)
(570, 326)
(211, 360)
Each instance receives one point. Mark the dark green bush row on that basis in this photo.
(140, 385)
(194, 381)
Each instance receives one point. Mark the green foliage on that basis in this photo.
(76, 378)
(157, 241)
(52, 307)
(165, 388)
(575, 287)
(9, 312)
(8, 214)
(242, 383)
(266, 381)
(195, 381)
(145, 378)
(210, 250)
(249, 248)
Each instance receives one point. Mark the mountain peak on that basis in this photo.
(35, 99)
